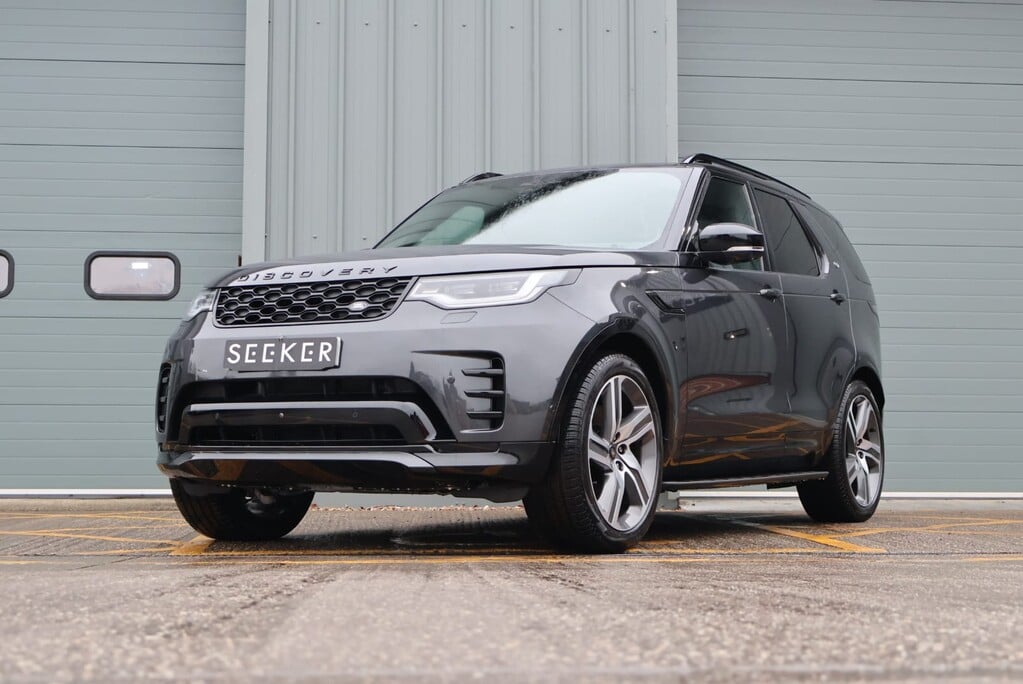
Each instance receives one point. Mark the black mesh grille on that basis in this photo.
(346, 300)
(295, 435)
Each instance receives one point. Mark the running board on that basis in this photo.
(769, 480)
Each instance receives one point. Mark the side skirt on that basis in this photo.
(779, 480)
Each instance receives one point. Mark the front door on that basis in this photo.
(737, 391)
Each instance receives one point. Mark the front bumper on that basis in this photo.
(502, 474)
(455, 440)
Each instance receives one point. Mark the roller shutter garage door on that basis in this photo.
(906, 120)
(120, 129)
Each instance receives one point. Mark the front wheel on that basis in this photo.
(601, 493)
(232, 514)
(855, 462)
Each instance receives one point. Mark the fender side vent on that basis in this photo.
(487, 400)
(162, 385)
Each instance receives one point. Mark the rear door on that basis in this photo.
(819, 331)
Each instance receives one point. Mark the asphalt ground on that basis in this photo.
(722, 590)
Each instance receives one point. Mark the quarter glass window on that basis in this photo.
(791, 250)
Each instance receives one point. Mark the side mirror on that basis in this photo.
(730, 243)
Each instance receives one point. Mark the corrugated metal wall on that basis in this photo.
(120, 128)
(376, 105)
(906, 120)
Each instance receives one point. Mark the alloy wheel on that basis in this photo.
(864, 460)
(624, 453)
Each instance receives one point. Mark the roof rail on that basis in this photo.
(481, 176)
(704, 158)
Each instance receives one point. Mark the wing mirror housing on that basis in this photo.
(729, 243)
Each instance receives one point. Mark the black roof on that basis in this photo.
(704, 159)
(700, 159)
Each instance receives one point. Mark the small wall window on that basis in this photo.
(6, 273)
(132, 275)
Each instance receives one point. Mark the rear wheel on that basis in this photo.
(601, 493)
(241, 515)
(855, 463)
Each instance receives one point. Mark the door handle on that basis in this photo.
(837, 297)
(770, 292)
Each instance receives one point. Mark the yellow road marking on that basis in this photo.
(206, 560)
(815, 538)
(668, 547)
(995, 559)
(972, 523)
(824, 540)
(427, 553)
(94, 537)
(200, 546)
(974, 533)
(90, 528)
(550, 559)
(155, 551)
(834, 538)
(945, 527)
(100, 516)
(194, 547)
(959, 518)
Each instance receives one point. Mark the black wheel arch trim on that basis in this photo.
(604, 337)
(866, 371)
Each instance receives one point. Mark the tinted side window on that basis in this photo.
(833, 229)
(728, 202)
(791, 251)
(725, 202)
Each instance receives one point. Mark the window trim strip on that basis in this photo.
(10, 273)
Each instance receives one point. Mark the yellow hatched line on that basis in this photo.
(20, 562)
(94, 537)
(212, 560)
(99, 516)
(949, 528)
(91, 528)
(157, 550)
(150, 559)
(193, 547)
(821, 539)
(203, 548)
(996, 559)
(959, 518)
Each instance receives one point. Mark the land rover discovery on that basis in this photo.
(582, 339)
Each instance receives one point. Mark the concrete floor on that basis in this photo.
(722, 590)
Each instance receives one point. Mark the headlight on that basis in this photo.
(489, 289)
(202, 303)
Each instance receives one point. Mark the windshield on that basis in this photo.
(604, 208)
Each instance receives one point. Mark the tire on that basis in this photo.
(855, 462)
(600, 494)
(234, 515)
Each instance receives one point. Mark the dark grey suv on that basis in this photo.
(582, 339)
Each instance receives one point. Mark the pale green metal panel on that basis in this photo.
(376, 105)
(906, 120)
(120, 129)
